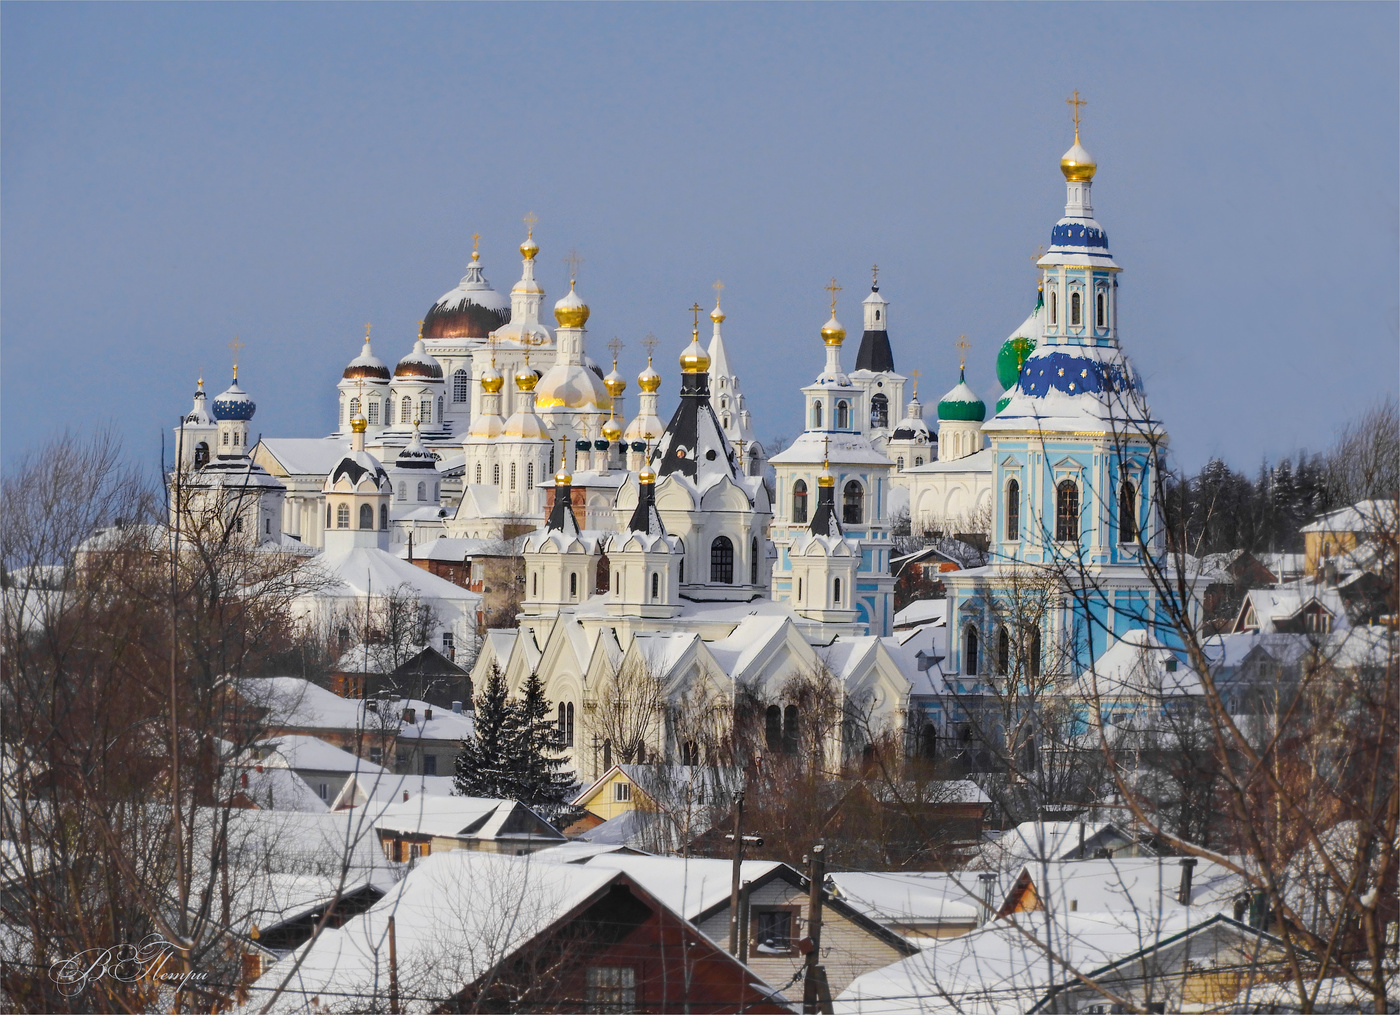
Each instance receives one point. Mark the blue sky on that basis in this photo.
(176, 174)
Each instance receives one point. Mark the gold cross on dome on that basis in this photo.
(476, 242)
(826, 457)
(615, 347)
(1075, 102)
(491, 341)
(235, 345)
(649, 343)
(367, 327)
(832, 288)
(718, 287)
(874, 276)
(530, 219)
(962, 345)
(695, 309)
(420, 330)
(916, 374)
(1037, 254)
(573, 261)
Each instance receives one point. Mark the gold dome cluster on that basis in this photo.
(694, 359)
(649, 380)
(571, 311)
(526, 379)
(611, 431)
(492, 381)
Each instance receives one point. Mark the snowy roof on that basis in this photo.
(838, 447)
(1051, 840)
(1269, 606)
(688, 885)
(375, 792)
(273, 788)
(1077, 388)
(978, 461)
(1137, 665)
(1367, 516)
(922, 611)
(1146, 886)
(308, 753)
(896, 897)
(457, 549)
(464, 818)
(358, 570)
(296, 703)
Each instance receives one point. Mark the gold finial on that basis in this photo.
(832, 288)
(530, 219)
(649, 343)
(573, 261)
(235, 345)
(420, 331)
(717, 315)
(916, 374)
(476, 243)
(695, 360)
(615, 347)
(962, 345)
(1075, 102)
(874, 276)
(201, 380)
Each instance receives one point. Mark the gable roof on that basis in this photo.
(458, 817)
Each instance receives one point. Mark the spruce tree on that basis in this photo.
(486, 766)
(545, 785)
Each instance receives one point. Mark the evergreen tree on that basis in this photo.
(545, 785)
(486, 765)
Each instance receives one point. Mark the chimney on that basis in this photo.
(427, 713)
(457, 707)
(405, 796)
(987, 886)
(410, 715)
(1183, 894)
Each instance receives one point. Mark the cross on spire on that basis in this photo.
(916, 374)
(491, 341)
(962, 345)
(695, 309)
(530, 219)
(573, 261)
(826, 456)
(476, 242)
(832, 288)
(615, 347)
(718, 287)
(235, 345)
(1075, 102)
(1037, 254)
(649, 343)
(875, 278)
(367, 327)
(420, 331)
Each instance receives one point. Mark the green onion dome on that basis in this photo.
(1014, 352)
(962, 404)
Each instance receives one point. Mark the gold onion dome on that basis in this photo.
(358, 424)
(492, 381)
(1077, 164)
(615, 382)
(646, 475)
(832, 332)
(717, 315)
(694, 359)
(563, 477)
(526, 379)
(611, 431)
(826, 478)
(571, 311)
(649, 380)
(529, 248)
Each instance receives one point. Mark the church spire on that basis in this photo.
(875, 354)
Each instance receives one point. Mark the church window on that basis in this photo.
(235, 438)
(655, 586)
(607, 755)
(512, 477)
(1074, 311)
(388, 412)
(267, 526)
(439, 410)
(1067, 511)
(1054, 307)
(680, 545)
(496, 474)
(1003, 651)
(478, 473)
(852, 503)
(374, 413)
(879, 412)
(601, 574)
(753, 561)
(836, 592)
(534, 583)
(328, 516)
(238, 524)
(354, 407)
(1013, 510)
(1101, 310)
(726, 421)
(529, 475)
(201, 454)
(918, 462)
(790, 729)
(425, 412)
(366, 516)
(816, 415)
(799, 590)
(437, 491)
(422, 492)
(1127, 514)
(1033, 652)
(461, 385)
(384, 517)
(773, 727)
(799, 501)
(722, 561)
(342, 516)
(406, 410)
(970, 651)
(899, 463)
(403, 490)
(573, 586)
(569, 724)
(617, 582)
(562, 723)
(877, 315)
(843, 414)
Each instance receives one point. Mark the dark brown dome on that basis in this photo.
(472, 310)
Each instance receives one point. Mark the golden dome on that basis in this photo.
(358, 424)
(717, 315)
(645, 475)
(611, 431)
(1077, 164)
(832, 332)
(826, 478)
(694, 360)
(492, 381)
(526, 379)
(529, 248)
(571, 311)
(615, 382)
(649, 380)
(563, 477)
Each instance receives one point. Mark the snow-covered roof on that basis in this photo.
(1146, 886)
(922, 611)
(1283, 602)
(688, 885)
(1364, 517)
(307, 753)
(1050, 841)
(375, 792)
(907, 898)
(295, 703)
(1138, 665)
(359, 570)
(838, 447)
(273, 788)
(978, 461)
(464, 818)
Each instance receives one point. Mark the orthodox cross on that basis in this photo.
(530, 219)
(826, 457)
(420, 331)
(1075, 102)
(367, 327)
(962, 345)
(1037, 254)
(573, 261)
(695, 309)
(615, 347)
(491, 344)
(916, 374)
(832, 288)
(874, 276)
(649, 343)
(718, 287)
(235, 345)
(476, 242)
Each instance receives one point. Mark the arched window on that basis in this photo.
(753, 561)
(918, 462)
(235, 438)
(602, 575)
(680, 545)
(563, 724)
(753, 461)
(496, 474)
(1033, 652)
(1127, 514)
(403, 490)
(879, 411)
(422, 491)
(354, 407)
(773, 728)
(607, 755)
(1101, 310)
(928, 742)
(799, 501)
(406, 410)
(439, 408)
(899, 463)
(852, 503)
(388, 412)
(1003, 651)
(384, 517)
(201, 454)
(461, 386)
(1067, 511)
(529, 475)
(655, 586)
(478, 473)
(970, 651)
(1054, 307)
(816, 415)
(328, 516)
(1075, 315)
(799, 590)
(512, 477)
(366, 516)
(722, 561)
(843, 414)
(790, 730)
(569, 725)
(573, 586)
(836, 592)
(1013, 510)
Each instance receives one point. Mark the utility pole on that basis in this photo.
(734, 886)
(393, 971)
(816, 993)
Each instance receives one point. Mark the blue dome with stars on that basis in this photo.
(234, 403)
